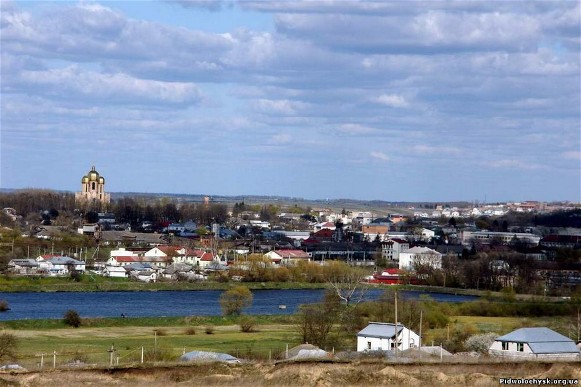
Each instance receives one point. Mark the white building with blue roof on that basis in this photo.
(535, 343)
(378, 336)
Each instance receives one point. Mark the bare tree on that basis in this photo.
(346, 281)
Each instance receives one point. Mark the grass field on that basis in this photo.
(167, 338)
(159, 338)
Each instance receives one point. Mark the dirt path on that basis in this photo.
(299, 374)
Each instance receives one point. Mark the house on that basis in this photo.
(177, 270)
(122, 260)
(420, 256)
(61, 265)
(114, 271)
(23, 266)
(535, 343)
(286, 257)
(378, 336)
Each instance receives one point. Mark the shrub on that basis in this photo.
(480, 343)
(190, 331)
(159, 354)
(247, 324)
(209, 329)
(72, 318)
(234, 300)
(161, 332)
(8, 344)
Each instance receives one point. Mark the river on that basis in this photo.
(34, 305)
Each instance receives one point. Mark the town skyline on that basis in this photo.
(391, 101)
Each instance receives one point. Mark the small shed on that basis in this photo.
(535, 343)
(378, 336)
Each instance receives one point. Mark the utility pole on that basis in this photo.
(395, 333)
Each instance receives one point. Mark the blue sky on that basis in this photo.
(406, 101)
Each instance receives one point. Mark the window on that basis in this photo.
(505, 346)
(369, 345)
(520, 347)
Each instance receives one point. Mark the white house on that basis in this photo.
(420, 256)
(61, 265)
(378, 336)
(23, 266)
(286, 257)
(114, 271)
(535, 343)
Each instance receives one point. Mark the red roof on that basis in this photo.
(323, 233)
(207, 257)
(292, 254)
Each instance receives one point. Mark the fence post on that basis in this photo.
(142, 355)
(53, 359)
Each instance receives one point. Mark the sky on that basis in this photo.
(395, 101)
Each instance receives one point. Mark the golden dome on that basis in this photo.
(93, 175)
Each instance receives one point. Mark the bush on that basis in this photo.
(234, 300)
(159, 354)
(72, 318)
(190, 331)
(8, 344)
(209, 329)
(480, 343)
(247, 324)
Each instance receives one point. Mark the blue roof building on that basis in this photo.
(535, 343)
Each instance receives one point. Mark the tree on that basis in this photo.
(234, 300)
(72, 318)
(8, 344)
(344, 280)
(316, 320)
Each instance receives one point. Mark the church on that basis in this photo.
(93, 189)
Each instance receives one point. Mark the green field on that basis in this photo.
(165, 339)
(161, 339)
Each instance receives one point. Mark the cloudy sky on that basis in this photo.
(435, 101)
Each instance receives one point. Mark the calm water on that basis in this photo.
(169, 303)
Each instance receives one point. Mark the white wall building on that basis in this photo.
(378, 336)
(420, 255)
(535, 343)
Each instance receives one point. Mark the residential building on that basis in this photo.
(286, 257)
(535, 343)
(378, 336)
(418, 255)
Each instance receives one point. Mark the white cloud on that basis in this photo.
(572, 155)
(435, 149)
(280, 139)
(392, 100)
(512, 164)
(283, 107)
(108, 88)
(380, 156)
(355, 129)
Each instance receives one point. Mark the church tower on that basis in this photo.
(93, 189)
